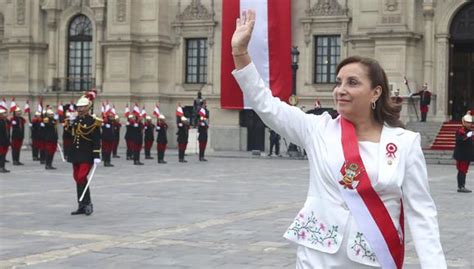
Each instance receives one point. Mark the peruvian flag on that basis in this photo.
(113, 110)
(61, 110)
(136, 110)
(3, 104)
(179, 111)
(202, 112)
(156, 111)
(26, 109)
(102, 110)
(12, 105)
(127, 111)
(143, 114)
(269, 48)
(71, 106)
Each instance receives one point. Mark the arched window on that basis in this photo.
(79, 72)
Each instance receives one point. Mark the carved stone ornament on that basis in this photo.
(391, 5)
(77, 3)
(195, 11)
(327, 8)
(20, 12)
(121, 10)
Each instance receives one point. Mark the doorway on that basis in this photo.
(461, 73)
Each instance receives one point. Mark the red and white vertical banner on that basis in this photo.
(270, 48)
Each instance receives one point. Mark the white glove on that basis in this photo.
(29, 124)
(96, 160)
(107, 125)
(469, 134)
(72, 116)
(135, 125)
(42, 124)
(56, 116)
(14, 122)
(158, 128)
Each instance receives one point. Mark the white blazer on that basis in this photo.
(322, 222)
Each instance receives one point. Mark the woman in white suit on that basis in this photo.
(367, 173)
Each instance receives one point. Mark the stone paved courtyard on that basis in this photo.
(230, 212)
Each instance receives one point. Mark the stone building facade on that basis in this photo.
(145, 51)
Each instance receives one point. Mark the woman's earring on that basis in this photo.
(373, 105)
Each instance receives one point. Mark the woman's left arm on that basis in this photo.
(420, 210)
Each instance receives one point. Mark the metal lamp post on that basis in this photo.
(293, 100)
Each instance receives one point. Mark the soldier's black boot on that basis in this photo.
(34, 152)
(16, 157)
(81, 205)
(136, 156)
(148, 155)
(201, 156)
(107, 161)
(181, 156)
(2, 165)
(129, 155)
(42, 157)
(49, 162)
(88, 208)
(462, 182)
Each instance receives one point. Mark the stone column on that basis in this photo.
(52, 27)
(441, 86)
(99, 66)
(428, 12)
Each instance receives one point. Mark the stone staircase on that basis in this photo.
(428, 132)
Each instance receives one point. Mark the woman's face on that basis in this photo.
(353, 93)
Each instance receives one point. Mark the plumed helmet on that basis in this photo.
(183, 118)
(148, 118)
(130, 116)
(17, 109)
(50, 111)
(2, 110)
(117, 117)
(162, 117)
(467, 117)
(37, 113)
(87, 98)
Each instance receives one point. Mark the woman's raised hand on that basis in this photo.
(243, 32)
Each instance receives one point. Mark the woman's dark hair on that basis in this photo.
(385, 110)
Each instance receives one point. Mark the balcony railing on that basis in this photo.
(73, 84)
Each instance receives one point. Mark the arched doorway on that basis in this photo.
(461, 68)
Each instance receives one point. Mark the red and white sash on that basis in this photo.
(370, 213)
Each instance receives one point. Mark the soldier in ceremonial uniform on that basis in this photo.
(41, 139)
(203, 125)
(4, 138)
(149, 137)
(85, 151)
(464, 151)
(183, 134)
(50, 138)
(161, 138)
(425, 100)
(108, 138)
(128, 132)
(136, 138)
(17, 134)
(35, 135)
(116, 125)
(67, 137)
